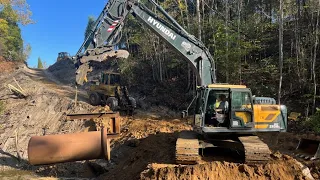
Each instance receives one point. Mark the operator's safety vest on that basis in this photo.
(217, 104)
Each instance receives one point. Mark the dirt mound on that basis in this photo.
(64, 70)
(283, 168)
(142, 141)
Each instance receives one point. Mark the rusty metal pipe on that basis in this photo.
(61, 148)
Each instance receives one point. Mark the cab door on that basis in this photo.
(241, 110)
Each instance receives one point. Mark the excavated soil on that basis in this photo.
(144, 150)
(283, 168)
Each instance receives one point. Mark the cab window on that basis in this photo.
(215, 96)
(241, 100)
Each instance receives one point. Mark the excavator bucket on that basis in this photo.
(308, 149)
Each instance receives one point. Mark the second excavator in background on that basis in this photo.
(107, 91)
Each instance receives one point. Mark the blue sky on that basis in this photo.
(60, 26)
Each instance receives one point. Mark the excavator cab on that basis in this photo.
(228, 107)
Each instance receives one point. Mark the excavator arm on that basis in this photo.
(107, 29)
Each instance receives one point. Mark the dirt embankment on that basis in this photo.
(43, 111)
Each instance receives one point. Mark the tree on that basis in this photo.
(21, 11)
(314, 60)
(27, 51)
(280, 49)
(40, 65)
(13, 13)
(91, 21)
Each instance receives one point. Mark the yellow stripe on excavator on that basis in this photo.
(226, 86)
(261, 126)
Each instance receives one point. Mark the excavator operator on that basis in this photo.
(222, 103)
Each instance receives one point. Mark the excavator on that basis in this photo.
(234, 125)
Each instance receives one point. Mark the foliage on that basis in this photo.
(244, 44)
(20, 13)
(91, 21)
(13, 13)
(40, 65)
(313, 122)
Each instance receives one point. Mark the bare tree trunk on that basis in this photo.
(202, 24)
(299, 58)
(199, 19)
(187, 15)
(188, 29)
(280, 48)
(239, 38)
(199, 36)
(181, 14)
(314, 62)
(227, 42)
(160, 62)
(311, 55)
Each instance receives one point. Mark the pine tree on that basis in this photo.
(90, 24)
(40, 65)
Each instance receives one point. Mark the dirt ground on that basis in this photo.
(144, 150)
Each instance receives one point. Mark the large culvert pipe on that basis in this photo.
(51, 149)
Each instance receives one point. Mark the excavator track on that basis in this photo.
(187, 148)
(256, 151)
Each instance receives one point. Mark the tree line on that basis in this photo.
(13, 13)
(269, 45)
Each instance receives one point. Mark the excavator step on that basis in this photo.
(256, 151)
(187, 148)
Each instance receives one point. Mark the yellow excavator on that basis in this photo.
(232, 124)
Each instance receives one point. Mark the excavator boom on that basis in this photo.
(107, 32)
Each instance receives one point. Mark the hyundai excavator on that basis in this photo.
(234, 125)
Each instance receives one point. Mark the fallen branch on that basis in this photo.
(18, 91)
(17, 84)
